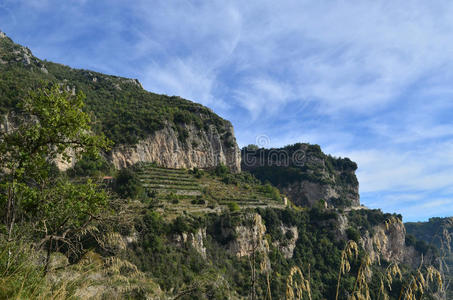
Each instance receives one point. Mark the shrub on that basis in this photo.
(90, 165)
(422, 246)
(127, 184)
(221, 170)
(233, 206)
(353, 234)
(198, 201)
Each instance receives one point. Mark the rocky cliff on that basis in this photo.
(202, 149)
(144, 127)
(305, 174)
(388, 242)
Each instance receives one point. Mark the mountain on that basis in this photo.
(145, 127)
(183, 218)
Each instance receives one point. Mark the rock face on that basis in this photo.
(201, 149)
(388, 243)
(287, 247)
(250, 237)
(305, 174)
(196, 240)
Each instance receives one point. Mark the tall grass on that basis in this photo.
(21, 276)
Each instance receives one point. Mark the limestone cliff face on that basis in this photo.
(195, 240)
(305, 174)
(388, 243)
(201, 148)
(287, 247)
(250, 237)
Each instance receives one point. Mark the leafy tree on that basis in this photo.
(221, 170)
(50, 126)
(127, 184)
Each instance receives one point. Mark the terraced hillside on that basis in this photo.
(177, 191)
(167, 181)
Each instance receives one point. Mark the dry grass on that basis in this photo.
(297, 285)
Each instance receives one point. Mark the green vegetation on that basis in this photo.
(171, 232)
(127, 184)
(294, 163)
(177, 191)
(295, 168)
(366, 219)
(90, 166)
(37, 201)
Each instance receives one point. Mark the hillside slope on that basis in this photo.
(144, 126)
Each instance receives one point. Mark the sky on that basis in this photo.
(368, 80)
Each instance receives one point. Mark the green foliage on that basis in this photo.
(252, 147)
(233, 206)
(198, 201)
(197, 172)
(20, 279)
(366, 219)
(90, 166)
(127, 184)
(340, 202)
(410, 240)
(298, 163)
(353, 234)
(36, 198)
(69, 204)
(221, 170)
(50, 122)
(272, 191)
(62, 211)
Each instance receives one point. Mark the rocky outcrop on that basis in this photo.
(195, 240)
(305, 174)
(388, 242)
(287, 246)
(250, 237)
(307, 193)
(201, 149)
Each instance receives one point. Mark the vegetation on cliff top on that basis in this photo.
(298, 162)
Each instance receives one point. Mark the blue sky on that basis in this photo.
(371, 80)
